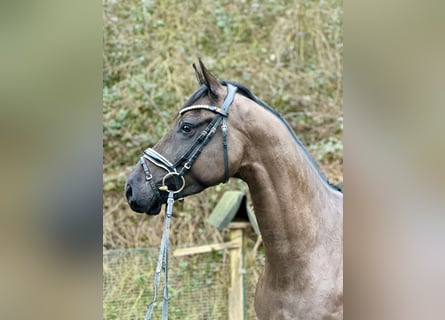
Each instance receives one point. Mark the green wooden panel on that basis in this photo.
(233, 205)
(226, 209)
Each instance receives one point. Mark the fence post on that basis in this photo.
(237, 301)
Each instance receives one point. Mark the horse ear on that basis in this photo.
(198, 75)
(209, 80)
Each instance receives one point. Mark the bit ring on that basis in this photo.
(164, 187)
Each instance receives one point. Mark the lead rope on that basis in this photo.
(163, 256)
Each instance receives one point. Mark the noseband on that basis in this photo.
(184, 163)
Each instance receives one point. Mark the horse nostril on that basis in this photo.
(128, 192)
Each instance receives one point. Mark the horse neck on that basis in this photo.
(291, 201)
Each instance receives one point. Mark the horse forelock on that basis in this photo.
(198, 94)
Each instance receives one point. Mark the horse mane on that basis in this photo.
(203, 91)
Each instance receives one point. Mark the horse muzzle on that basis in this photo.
(141, 200)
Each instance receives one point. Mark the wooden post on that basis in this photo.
(236, 290)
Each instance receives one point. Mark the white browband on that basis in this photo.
(201, 106)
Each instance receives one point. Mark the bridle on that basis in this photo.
(178, 169)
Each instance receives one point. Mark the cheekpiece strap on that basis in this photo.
(229, 99)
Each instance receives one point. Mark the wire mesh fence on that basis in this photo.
(198, 284)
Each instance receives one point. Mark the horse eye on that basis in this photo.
(186, 128)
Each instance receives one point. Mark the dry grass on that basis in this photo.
(289, 53)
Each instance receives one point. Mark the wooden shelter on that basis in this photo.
(233, 212)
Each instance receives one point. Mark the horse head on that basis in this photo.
(200, 150)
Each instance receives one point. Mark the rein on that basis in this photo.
(188, 158)
(163, 257)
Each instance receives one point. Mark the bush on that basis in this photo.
(289, 53)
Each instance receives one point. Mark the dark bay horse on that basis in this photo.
(224, 131)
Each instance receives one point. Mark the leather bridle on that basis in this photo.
(184, 163)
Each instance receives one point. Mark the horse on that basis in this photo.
(299, 213)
